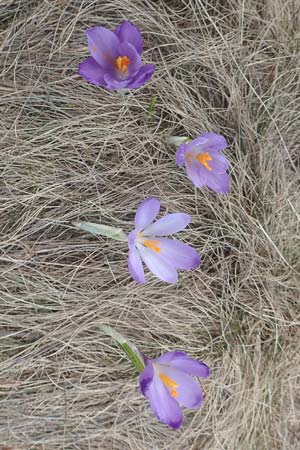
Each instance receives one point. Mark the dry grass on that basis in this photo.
(70, 150)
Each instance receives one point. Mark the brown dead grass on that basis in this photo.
(70, 150)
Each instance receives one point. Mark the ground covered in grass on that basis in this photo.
(71, 150)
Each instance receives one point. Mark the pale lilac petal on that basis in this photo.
(195, 174)
(91, 71)
(218, 163)
(181, 361)
(168, 357)
(126, 49)
(146, 213)
(103, 45)
(127, 32)
(214, 142)
(135, 266)
(145, 378)
(143, 75)
(170, 224)
(196, 144)
(158, 265)
(180, 154)
(132, 239)
(207, 142)
(219, 183)
(165, 407)
(178, 254)
(189, 391)
(113, 83)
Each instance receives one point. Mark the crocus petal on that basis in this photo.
(219, 183)
(214, 142)
(170, 224)
(103, 45)
(178, 254)
(132, 238)
(113, 83)
(164, 406)
(135, 266)
(218, 163)
(207, 142)
(180, 154)
(181, 361)
(197, 143)
(157, 264)
(146, 213)
(189, 391)
(91, 71)
(143, 75)
(126, 49)
(145, 378)
(195, 174)
(127, 32)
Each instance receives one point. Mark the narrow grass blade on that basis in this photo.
(152, 106)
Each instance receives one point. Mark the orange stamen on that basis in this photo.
(174, 393)
(122, 63)
(170, 384)
(203, 158)
(153, 244)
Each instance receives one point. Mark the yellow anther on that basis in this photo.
(152, 244)
(122, 63)
(203, 158)
(171, 384)
(174, 393)
(94, 48)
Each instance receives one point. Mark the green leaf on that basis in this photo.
(177, 140)
(103, 230)
(131, 351)
(133, 357)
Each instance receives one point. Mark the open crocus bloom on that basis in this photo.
(204, 163)
(167, 382)
(115, 61)
(162, 256)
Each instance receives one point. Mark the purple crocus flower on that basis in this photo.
(167, 382)
(204, 163)
(115, 61)
(162, 256)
